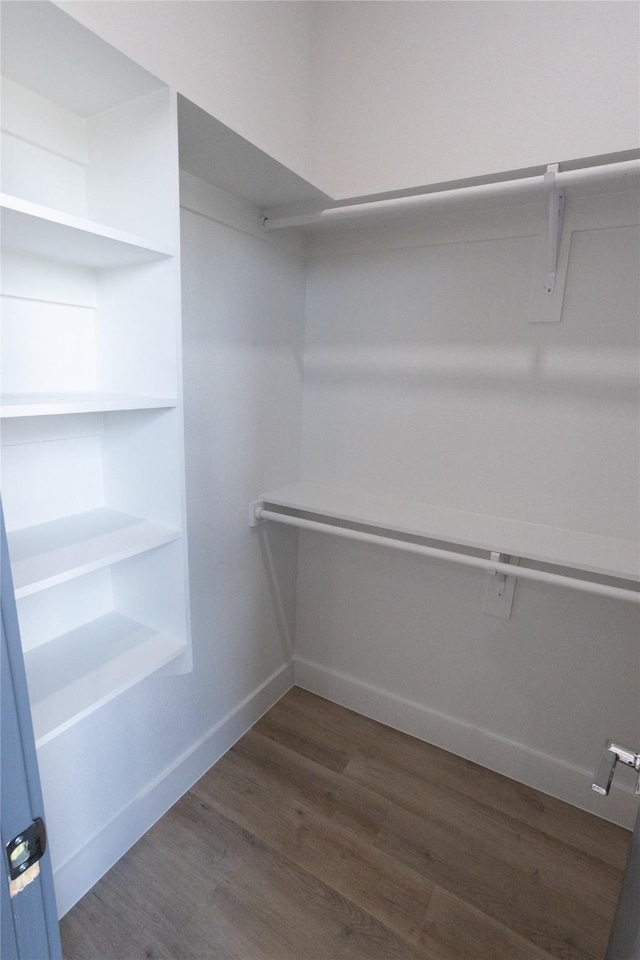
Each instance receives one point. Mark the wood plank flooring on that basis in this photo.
(323, 835)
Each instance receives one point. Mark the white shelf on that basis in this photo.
(50, 233)
(606, 556)
(52, 553)
(218, 155)
(47, 404)
(77, 673)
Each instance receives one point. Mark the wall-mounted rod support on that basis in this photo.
(523, 188)
(523, 573)
(554, 227)
(500, 589)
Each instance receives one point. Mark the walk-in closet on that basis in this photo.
(320, 433)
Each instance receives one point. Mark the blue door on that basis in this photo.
(29, 918)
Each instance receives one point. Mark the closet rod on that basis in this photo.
(492, 566)
(524, 187)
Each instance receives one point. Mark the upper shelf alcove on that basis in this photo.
(83, 128)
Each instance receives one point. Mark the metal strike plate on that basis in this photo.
(26, 849)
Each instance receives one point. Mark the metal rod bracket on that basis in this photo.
(255, 520)
(498, 598)
(554, 227)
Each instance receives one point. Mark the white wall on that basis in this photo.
(361, 97)
(425, 380)
(247, 64)
(416, 93)
(243, 303)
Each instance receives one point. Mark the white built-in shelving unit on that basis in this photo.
(91, 404)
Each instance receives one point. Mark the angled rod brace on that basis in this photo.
(554, 226)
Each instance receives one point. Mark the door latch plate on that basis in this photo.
(26, 849)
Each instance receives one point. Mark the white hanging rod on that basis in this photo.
(524, 186)
(492, 566)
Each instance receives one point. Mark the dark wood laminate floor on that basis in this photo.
(326, 836)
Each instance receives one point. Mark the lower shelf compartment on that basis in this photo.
(80, 671)
(51, 553)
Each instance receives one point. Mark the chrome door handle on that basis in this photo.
(606, 768)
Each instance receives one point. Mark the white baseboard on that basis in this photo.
(548, 774)
(79, 873)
